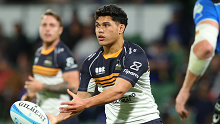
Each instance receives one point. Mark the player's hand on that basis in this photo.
(27, 97)
(181, 100)
(52, 119)
(33, 85)
(76, 106)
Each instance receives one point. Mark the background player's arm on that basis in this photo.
(71, 81)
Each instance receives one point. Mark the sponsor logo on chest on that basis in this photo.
(48, 61)
(100, 70)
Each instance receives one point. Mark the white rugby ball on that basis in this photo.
(24, 112)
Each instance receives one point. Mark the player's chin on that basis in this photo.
(47, 40)
(102, 43)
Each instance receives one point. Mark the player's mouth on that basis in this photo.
(47, 35)
(101, 38)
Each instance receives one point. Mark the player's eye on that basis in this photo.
(44, 25)
(107, 25)
(52, 25)
(97, 25)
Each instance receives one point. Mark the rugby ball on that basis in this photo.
(24, 112)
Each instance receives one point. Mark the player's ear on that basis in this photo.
(121, 28)
(61, 30)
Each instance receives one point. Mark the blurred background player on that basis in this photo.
(54, 69)
(206, 18)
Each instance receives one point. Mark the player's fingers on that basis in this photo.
(71, 93)
(67, 117)
(67, 111)
(26, 82)
(70, 115)
(67, 108)
(66, 103)
(184, 114)
(30, 77)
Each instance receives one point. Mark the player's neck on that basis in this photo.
(114, 47)
(49, 45)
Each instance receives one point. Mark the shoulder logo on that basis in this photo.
(197, 10)
(131, 51)
(59, 50)
(136, 65)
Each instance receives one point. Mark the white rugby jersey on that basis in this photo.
(48, 68)
(130, 63)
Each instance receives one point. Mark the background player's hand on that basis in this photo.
(33, 85)
(28, 97)
(76, 106)
(181, 100)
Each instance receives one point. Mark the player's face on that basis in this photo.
(50, 29)
(107, 30)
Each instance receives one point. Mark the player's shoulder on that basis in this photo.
(38, 51)
(61, 48)
(132, 47)
(93, 56)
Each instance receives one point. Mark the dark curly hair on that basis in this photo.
(114, 11)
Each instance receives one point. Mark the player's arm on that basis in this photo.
(115, 92)
(71, 81)
(202, 51)
(201, 54)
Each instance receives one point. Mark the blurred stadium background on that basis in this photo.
(163, 28)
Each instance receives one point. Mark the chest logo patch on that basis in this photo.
(48, 61)
(118, 65)
(100, 70)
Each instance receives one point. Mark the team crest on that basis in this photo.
(48, 61)
(118, 66)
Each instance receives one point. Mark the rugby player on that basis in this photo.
(54, 68)
(120, 69)
(207, 40)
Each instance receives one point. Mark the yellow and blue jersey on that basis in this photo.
(130, 63)
(48, 67)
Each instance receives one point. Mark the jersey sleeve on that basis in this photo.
(135, 64)
(87, 83)
(66, 61)
(204, 9)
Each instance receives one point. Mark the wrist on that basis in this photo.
(87, 103)
(59, 118)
